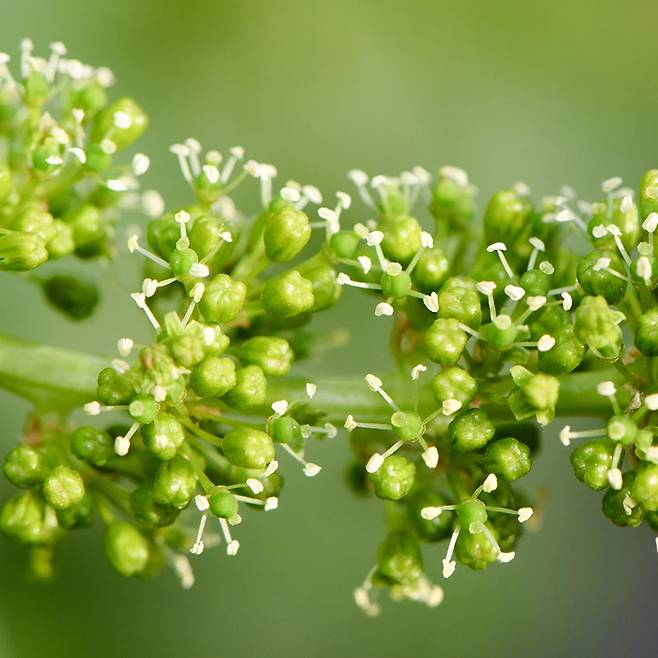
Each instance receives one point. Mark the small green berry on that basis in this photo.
(591, 462)
(286, 233)
(25, 466)
(223, 299)
(272, 354)
(471, 430)
(250, 388)
(508, 458)
(223, 503)
(174, 483)
(126, 548)
(92, 445)
(213, 377)
(395, 478)
(288, 294)
(163, 436)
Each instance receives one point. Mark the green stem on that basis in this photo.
(58, 379)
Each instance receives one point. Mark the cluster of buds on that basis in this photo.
(495, 328)
(62, 185)
(202, 431)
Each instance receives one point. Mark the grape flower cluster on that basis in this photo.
(542, 308)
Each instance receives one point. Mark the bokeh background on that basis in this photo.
(544, 92)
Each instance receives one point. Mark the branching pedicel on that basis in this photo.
(491, 336)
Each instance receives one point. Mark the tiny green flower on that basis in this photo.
(223, 503)
(288, 294)
(223, 299)
(445, 341)
(644, 489)
(213, 377)
(272, 354)
(25, 466)
(399, 559)
(508, 458)
(454, 384)
(63, 487)
(27, 519)
(471, 430)
(248, 448)
(249, 390)
(92, 445)
(286, 233)
(163, 436)
(592, 461)
(174, 483)
(126, 548)
(402, 239)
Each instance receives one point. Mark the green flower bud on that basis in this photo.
(566, 355)
(248, 447)
(34, 220)
(286, 233)
(536, 283)
(63, 487)
(114, 388)
(285, 429)
(622, 429)
(123, 121)
(91, 98)
(536, 396)
(646, 333)
(396, 286)
(86, 225)
(21, 251)
(126, 548)
(474, 550)
(599, 281)
(471, 430)
(148, 511)
(222, 503)
(223, 299)
(92, 445)
(399, 560)
(174, 483)
(288, 294)
(431, 270)
(250, 388)
(72, 295)
(27, 519)
(436, 529)
(215, 341)
(505, 216)
(616, 507)
(272, 354)
(401, 239)
(344, 244)
(508, 457)
(644, 489)
(326, 291)
(471, 511)
(163, 436)
(62, 243)
(453, 202)
(187, 349)
(181, 262)
(597, 326)
(25, 466)
(454, 384)
(501, 333)
(79, 515)
(461, 304)
(213, 377)
(591, 462)
(407, 425)
(445, 342)
(163, 234)
(649, 192)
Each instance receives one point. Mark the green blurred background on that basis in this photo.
(547, 93)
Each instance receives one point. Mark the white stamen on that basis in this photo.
(450, 406)
(311, 390)
(92, 408)
(125, 346)
(486, 287)
(272, 467)
(211, 173)
(79, 154)
(365, 263)
(280, 407)
(431, 513)
(201, 502)
(374, 383)
(431, 457)
(426, 240)
(431, 302)
(611, 184)
(199, 270)
(255, 485)
(651, 401)
(651, 222)
(505, 557)
(567, 301)
(490, 483)
(417, 370)
(606, 389)
(535, 302)
(384, 308)
(374, 463)
(350, 423)
(374, 238)
(311, 470)
(525, 513)
(515, 293)
(599, 231)
(565, 435)
(615, 478)
(141, 164)
(546, 343)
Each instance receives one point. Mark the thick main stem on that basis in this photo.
(56, 379)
